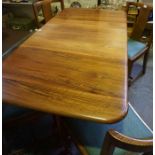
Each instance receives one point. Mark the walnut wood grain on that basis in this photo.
(76, 66)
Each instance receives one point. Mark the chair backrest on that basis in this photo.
(61, 3)
(45, 6)
(142, 18)
(47, 10)
(114, 139)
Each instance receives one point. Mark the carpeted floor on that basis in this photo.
(41, 137)
(140, 94)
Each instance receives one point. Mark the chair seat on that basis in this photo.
(135, 48)
(9, 111)
(92, 134)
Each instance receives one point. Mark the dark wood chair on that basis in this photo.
(98, 2)
(115, 139)
(43, 12)
(132, 10)
(61, 3)
(139, 43)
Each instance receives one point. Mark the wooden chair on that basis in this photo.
(61, 3)
(115, 139)
(138, 45)
(98, 2)
(43, 12)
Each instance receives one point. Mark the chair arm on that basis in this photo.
(131, 144)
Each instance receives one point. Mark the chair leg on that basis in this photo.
(98, 2)
(145, 61)
(130, 64)
(62, 4)
(107, 148)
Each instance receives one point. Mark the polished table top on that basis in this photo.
(76, 66)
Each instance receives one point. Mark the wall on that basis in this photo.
(93, 3)
(84, 3)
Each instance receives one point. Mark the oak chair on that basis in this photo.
(138, 43)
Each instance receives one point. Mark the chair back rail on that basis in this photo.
(45, 6)
(141, 21)
(61, 3)
(142, 32)
(139, 4)
(47, 10)
(36, 7)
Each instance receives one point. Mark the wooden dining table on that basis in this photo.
(75, 66)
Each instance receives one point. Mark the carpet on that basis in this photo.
(90, 134)
(140, 93)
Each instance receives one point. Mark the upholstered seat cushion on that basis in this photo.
(9, 111)
(92, 134)
(135, 48)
